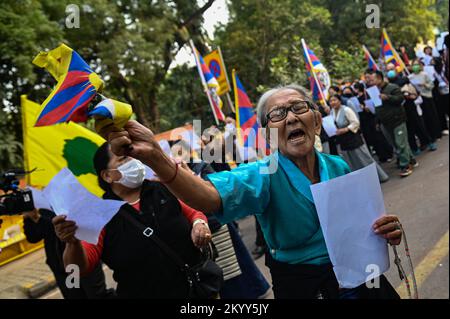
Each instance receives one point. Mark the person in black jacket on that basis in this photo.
(38, 226)
(140, 267)
(393, 117)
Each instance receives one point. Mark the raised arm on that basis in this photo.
(138, 141)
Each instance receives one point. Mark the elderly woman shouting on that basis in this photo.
(282, 201)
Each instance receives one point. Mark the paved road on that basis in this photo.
(422, 203)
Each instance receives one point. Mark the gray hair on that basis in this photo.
(261, 108)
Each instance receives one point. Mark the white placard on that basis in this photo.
(329, 126)
(68, 197)
(347, 207)
(375, 95)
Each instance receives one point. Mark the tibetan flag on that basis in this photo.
(319, 78)
(76, 86)
(248, 133)
(216, 65)
(210, 84)
(389, 53)
(110, 115)
(51, 148)
(372, 64)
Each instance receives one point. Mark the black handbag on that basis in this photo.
(204, 279)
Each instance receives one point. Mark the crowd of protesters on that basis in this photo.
(178, 205)
(412, 117)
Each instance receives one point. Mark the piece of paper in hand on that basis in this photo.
(356, 105)
(370, 105)
(68, 197)
(429, 69)
(347, 207)
(329, 126)
(374, 94)
(39, 200)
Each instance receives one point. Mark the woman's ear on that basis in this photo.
(317, 122)
(105, 175)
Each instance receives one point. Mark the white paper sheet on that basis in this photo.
(347, 207)
(429, 69)
(356, 105)
(374, 94)
(427, 59)
(329, 126)
(370, 105)
(39, 200)
(68, 197)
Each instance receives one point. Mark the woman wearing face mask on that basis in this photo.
(424, 84)
(141, 269)
(347, 94)
(352, 146)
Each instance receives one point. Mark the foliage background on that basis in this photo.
(132, 44)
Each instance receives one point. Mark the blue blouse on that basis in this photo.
(282, 203)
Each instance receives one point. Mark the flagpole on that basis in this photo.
(26, 159)
(205, 85)
(313, 73)
(395, 51)
(236, 101)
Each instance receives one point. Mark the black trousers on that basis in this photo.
(260, 241)
(308, 281)
(430, 118)
(302, 281)
(442, 106)
(374, 137)
(416, 127)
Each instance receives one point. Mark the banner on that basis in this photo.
(51, 148)
(217, 67)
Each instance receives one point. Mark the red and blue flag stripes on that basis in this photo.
(76, 88)
(370, 61)
(247, 125)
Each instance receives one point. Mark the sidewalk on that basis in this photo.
(28, 277)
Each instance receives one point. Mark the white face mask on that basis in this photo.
(133, 173)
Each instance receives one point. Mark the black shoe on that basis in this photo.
(258, 251)
(406, 171)
(414, 163)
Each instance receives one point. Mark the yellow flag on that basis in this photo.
(51, 148)
(217, 67)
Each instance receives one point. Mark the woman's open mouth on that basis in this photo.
(296, 136)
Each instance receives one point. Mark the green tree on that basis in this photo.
(24, 31)
(263, 37)
(346, 65)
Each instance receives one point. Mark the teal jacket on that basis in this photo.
(282, 203)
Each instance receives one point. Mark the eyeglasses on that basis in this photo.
(280, 113)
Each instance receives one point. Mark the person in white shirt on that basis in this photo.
(424, 85)
(352, 147)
